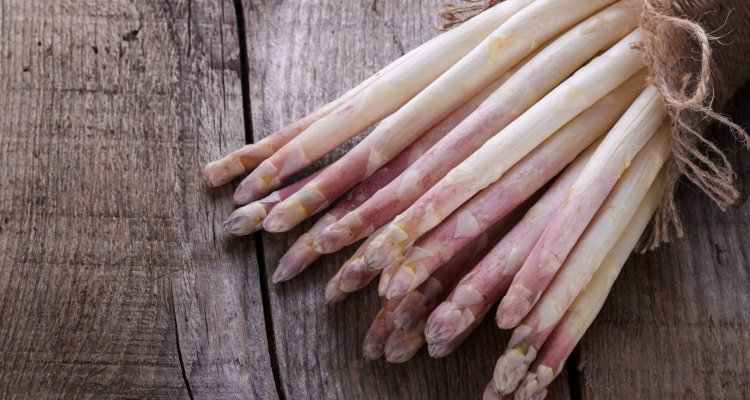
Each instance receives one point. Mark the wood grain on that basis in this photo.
(115, 280)
(303, 54)
(677, 323)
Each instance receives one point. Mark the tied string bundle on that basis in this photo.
(697, 64)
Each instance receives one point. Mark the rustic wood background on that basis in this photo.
(116, 280)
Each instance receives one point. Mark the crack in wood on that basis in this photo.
(180, 357)
(244, 73)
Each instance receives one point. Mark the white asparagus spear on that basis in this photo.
(382, 97)
(599, 238)
(586, 196)
(533, 80)
(585, 308)
(491, 161)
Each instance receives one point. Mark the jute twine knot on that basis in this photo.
(688, 90)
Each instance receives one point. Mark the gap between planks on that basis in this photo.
(258, 236)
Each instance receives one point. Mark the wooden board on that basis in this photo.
(117, 281)
(677, 323)
(303, 54)
(115, 278)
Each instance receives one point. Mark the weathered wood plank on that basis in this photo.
(114, 280)
(677, 323)
(303, 54)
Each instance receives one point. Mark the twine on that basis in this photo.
(695, 157)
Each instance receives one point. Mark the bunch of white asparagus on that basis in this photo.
(518, 158)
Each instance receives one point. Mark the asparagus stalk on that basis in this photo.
(403, 344)
(516, 186)
(491, 161)
(487, 282)
(302, 254)
(586, 196)
(533, 80)
(592, 248)
(296, 209)
(354, 273)
(248, 219)
(381, 329)
(386, 94)
(579, 316)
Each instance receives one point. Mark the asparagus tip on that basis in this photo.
(373, 347)
(284, 217)
(534, 387)
(220, 172)
(441, 326)
(352, 277)
(245, 221)
(409, 310)
(511, 369)
(282, 275)
(333, 294)
(440, 350)
(296, 259)
(248, 191)
(513, 308)
(491, 394)
(382, 251)
(404, 344)
(400, 284)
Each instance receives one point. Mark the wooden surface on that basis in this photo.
(116, 280)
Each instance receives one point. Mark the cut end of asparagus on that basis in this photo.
(511, 369)
(246, 220)
(534, 387)
(333, 293)
(385, 249)
(221, 172)
(442, 324)
(514, 307)
(285, 216)
(334, 238)
(404, 344)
